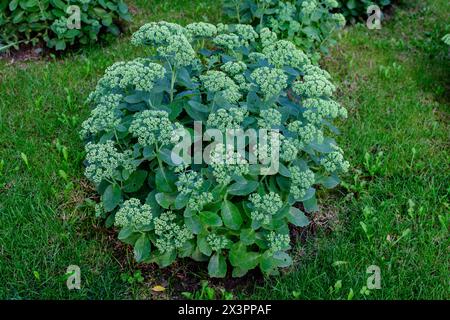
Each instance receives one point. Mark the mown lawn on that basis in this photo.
(392, 210)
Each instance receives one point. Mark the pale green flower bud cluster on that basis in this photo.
(278, 242)
(153, 127)
(189, 182)
(229, 41)
(60, 25)
(334, 161)
(285, 53)
(217, 81)
(133, 214)
(178, 51)
(268, 148)
(315, 70)
(170, 40)
(267, 37)
(321, 108)
(100, 96)
(306, 134)
(245, 32)
(201, 30)
(103, 118)
(244, 86)
(269, 118)
(234, 67)
(171, 236)
(314, 86)
(103, 159)
(217, 242)
(271, 81)
(339, 19)
(289, 150)
(286, 11)
(265, 206)
(225, 163)
(156, 33)
(308, 7)
(198, 200)
(135, 74)
(224, 119)
(301, 181)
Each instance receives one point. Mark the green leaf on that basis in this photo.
(210, 218)
(111, 197)
(60, 44)
(242, 188)
(248, 236)
(311, 205)
(165, 180)
(193, 224)
(351, 4)
(330, 182)
(59, 4)
(135, 181)
(217, 266)
(181, 201)
(240, 257)
(125, 233)
(231, 216)
(203, 245)
(142, 248)
(187, 249)
(13, 5)
(169, 157)
(297, 217)
(123, 8)
(167, 258)
(282, 259)
(165, 200)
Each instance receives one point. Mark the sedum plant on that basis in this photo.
(228, 210)
(307, 23)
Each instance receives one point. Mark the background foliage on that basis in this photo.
(32, 21)
(309, 24)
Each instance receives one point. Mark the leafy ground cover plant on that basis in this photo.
(228, 210)
(307, 23)
(32, 21)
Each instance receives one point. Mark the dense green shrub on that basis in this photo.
(307, 23)
(31, 21)
(230, 210)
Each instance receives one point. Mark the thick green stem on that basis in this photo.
(172, 83)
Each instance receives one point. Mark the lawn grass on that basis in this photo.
(44, 227)
(393, 81)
